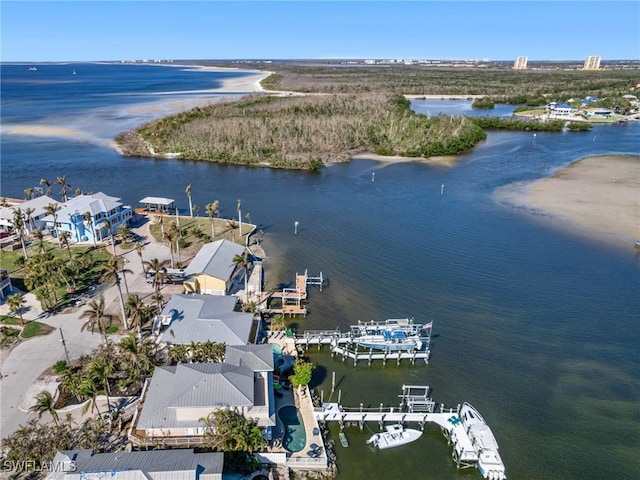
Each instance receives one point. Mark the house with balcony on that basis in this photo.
(176, 397)
(212, 271)
(148, 465)
(198, 318)
(33, 212)
(97, 208)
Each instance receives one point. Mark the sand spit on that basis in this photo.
(595, 195)
(39, 131)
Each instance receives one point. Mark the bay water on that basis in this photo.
(533, 325)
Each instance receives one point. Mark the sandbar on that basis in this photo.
(39, 130)
(442, 161)
(596, 195)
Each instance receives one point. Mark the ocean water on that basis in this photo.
(534, 326)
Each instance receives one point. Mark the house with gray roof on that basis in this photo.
(34, 220)
(178, 396)
(197, 318)
(211, 272)
(183, 464)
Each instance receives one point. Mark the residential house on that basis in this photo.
(34, 220)
(148, 465)
(100, 207)
(190, 318)
(561, 110)
(177, 397)
(211, 272)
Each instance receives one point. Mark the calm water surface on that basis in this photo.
(536, 328)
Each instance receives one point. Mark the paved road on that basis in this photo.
(24, 365)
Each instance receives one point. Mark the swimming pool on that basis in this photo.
(295, 437)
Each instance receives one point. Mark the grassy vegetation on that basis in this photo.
(356, 109)
(33, 328)
(500, 84)
(8, 337)
(296, 132)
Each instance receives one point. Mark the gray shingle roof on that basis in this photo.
(215, 259)
(183, 464)
(199, 318)
(195, 385)
(37, 203)
(257, 357)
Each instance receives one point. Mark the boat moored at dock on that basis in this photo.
(391, 335)
(483, 442)
(394, 436)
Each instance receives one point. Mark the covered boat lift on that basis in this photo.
(158, 205)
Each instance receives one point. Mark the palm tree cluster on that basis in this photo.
(197, 352)
(120, 368)
(39, 442)
(230, 432)
(299, 132)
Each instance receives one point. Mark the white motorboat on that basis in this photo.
(394, 436)
(484, 443)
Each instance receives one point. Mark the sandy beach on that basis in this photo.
(444, 161)
(596, 196)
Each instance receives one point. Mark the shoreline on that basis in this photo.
(595, 196)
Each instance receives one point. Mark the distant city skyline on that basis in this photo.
(501, 30)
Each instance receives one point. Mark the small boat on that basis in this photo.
(484, 443)
(638, 244)
(343, 439)
(74, 72)
(394, 436)
(33, 69)
(391, 335)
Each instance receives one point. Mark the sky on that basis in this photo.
(140, 29)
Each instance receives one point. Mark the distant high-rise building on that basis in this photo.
(520, 63)
(592, 63)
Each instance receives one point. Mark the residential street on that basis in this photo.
(21, 368)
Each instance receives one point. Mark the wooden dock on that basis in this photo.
(292, 300)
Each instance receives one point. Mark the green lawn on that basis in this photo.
(33, 328)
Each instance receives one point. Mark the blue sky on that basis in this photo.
(502, 30)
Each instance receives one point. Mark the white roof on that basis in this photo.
(37, 203)
(157, 200)
(96, 203)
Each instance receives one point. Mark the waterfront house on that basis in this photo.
(211, 272)
(190, 318)
(176, 397)
(150, 465)
(100, 207)
(33, 221)
(561, 110)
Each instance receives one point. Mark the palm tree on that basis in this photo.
(87, 218)
(170, 236)
(159, 269)
(28, 212)
(39, 236)
(96, 316)
(124, 232)
(243, 264)
(213, 209)
(240, 216)
(18, 225)
(100, 370)
(112, 273)
(45, 404)
(62, 181)
(52, 209)
(65, 235)
(136, 353)
(177, 232)
(194, 210)
(44, 181)
(87, 389)
(16, 303)
(28, 193)
(139, 248)
(158, 298)
(136, 313)
(107, 225)
(188, 192)
(160, 220)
